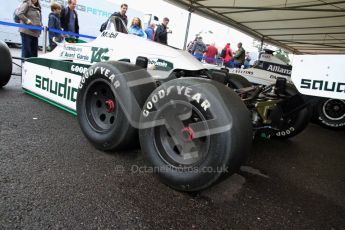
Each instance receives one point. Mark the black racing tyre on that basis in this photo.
(330, 113)
(237, 81)
(297, 122)
(194, 131)
(5, 64)
(109, 102)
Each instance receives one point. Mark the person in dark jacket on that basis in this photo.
(122, 15)
(161, 34)
(54, 23)
(69, 17)
(199, 48)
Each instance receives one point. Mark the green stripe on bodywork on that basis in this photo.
(58, 64)
(51, 102)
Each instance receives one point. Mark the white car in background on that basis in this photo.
(267, 69)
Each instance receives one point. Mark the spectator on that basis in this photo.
(122, 15)
(191, 44)
(227, 55)
(239, 56)
(161, 35)
(211, 53)
(247, 60)
(29, 13)
(150, 31)
(199, 48)
(136, 28)
(69, 17)
(54, 23)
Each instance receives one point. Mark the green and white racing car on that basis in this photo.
(191, 125)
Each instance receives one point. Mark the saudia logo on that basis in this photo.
(338, 87)
(63, 90)
(99, 54)
(278, 69)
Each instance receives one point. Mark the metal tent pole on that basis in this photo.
(187, 30)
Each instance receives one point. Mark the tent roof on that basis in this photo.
(299, 26)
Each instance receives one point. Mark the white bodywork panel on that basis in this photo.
(63, 67)
(43, 81)
(320, 75)
(125, 46)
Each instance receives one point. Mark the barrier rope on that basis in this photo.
(40, 28)
(218, 60)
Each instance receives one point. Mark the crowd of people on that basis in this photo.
(66, 19)
(210, 54)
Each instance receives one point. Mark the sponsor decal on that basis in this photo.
(80, 8)
(285, 132)
(267, 56)
(242, 71)
(99, 54)
(109, 34)
(181, 90)
(275, 68)
(103, 71)
(85, 53)
(78, 69)
(160, 64)
(338, 87)
(60, 89)
(279, 69)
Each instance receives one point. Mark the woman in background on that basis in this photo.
(137, 28)
(29, 13)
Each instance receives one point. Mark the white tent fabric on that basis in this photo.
(299, 26)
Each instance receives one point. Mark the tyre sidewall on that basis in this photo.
(6, 64)
(303, 118)
(324, 120)
(221, 148)
(105, 140)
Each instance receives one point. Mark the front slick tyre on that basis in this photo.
(109, 101)
(193, 131)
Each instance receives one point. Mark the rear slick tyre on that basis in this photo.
(202, 130)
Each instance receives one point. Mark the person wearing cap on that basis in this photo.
(161, 34)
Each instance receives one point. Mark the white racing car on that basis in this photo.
(192, 127)
(328, 112)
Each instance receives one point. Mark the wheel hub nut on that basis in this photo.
(188, 133)
(110, 104)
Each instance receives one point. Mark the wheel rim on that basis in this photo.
(100, 105)
(193, 150)
(334, 109)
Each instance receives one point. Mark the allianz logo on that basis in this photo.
(278, 69)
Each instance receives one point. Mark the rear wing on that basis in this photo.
(320, 75)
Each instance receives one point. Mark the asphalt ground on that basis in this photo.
(52, 178)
